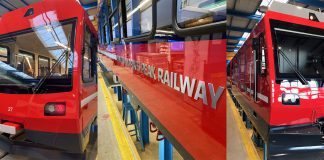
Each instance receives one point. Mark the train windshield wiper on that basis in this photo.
(301, 78)
(65, 53)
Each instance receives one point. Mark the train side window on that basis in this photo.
(198, 17)
(43, 65)
(104, 34)
(4, 54)
(106, 30)
(259, 46)
(139, 20)
(87, 58)
(114, 27)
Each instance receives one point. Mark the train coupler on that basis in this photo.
(10, 128)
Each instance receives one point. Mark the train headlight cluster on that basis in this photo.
(290, 99)
(55, 109)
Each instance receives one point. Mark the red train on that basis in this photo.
(277, 79)
(48, 84)
(168, 67)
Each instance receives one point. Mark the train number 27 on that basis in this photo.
(10, 109)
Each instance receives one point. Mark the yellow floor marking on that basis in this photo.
(248, 144)
(125, 143)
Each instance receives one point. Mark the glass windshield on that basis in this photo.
(39, 53)
(303, 46)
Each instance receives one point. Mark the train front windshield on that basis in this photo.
(302, 45)
(37, 60)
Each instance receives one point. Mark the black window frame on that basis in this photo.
(260, 44)
(92, 64)
(111, 24)
(142, 37)
(273, 23)
(215, 27)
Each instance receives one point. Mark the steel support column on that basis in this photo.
(144, 127)
(165, 150)
(119, 93)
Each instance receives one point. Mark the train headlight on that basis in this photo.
(55, 109)
(290, 99)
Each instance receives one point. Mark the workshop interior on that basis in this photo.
(161, 79)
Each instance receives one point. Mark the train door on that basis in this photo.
(254, 78)
(259, 56)
(251, 80)
(89, 80)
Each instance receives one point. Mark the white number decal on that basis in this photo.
(10, 109)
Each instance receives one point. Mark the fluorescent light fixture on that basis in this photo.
(43, 59)
(246, 35)
(282, 1)
(241, 42)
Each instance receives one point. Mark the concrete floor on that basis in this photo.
(235, 146)
(108, 145)
(239, 143)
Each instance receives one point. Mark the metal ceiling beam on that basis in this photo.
(244, 15)
(238, 29)
(233, 44)
(90, 5)
(13, 6)
(2, 5)
(24, 2)
(233, 47)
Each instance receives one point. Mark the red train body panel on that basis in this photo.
(178, 80)
(68, 132)
(290, 130)
(177, 112)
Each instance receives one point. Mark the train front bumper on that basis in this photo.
(69, 143)
(296, 143)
